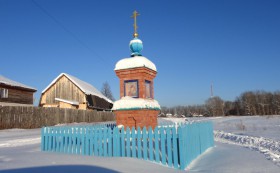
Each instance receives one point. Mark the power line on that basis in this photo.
(67, 30)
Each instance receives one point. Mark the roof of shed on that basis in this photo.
(87, 88)
(9, 82)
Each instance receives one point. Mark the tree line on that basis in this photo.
(248, 103)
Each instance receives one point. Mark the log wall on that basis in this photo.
(18, 96)
(64, 89)
(36, 117)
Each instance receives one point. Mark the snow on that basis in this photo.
(20, 142)
(129, 103)
(226, 158)
(67, 101)
(257, 133)
(269, 147)
(10, 82)
(134, 62)
(135, 41)
(87, 88)
(254, 148)
(27, 158)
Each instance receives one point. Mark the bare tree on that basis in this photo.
(106, 91)
(276, 102)
(215, 105)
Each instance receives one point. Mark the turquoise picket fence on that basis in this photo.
(166, 144)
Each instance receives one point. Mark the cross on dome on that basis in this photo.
(135, 45)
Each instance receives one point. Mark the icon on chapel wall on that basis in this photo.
(131, 88)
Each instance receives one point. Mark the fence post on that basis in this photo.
(169, 148)
(115, 142)
(128, 142)
(181, 148)
(175, 148)
(139, 143)
(105, 137)
(133, 142)
(144, 131)
(162, 146)
(78, 151)
(110, 149)
(122, 143)
(156, 144)
(151, 148)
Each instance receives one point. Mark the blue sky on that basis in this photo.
(235, 44)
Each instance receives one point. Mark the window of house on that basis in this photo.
(148, 89)
(131, 88)
(3, 93)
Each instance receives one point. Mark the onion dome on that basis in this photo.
(136, 47)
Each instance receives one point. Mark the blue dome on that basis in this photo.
(136, 47)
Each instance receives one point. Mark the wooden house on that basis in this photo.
(67, 91)
(15, 93)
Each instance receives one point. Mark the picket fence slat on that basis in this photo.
(127, 142)
(169, 149)
(139, 143)
(156, 144)
(170, 144)
(151, 148)
(162, 146)
(144, 131)
(133, 148)
(174, 147)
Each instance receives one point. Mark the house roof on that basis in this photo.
(9, 82)
(85, 87)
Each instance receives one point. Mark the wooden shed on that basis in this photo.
(12, 92)
(67, 91)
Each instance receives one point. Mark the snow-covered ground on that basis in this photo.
(260, 134)
(242, 144)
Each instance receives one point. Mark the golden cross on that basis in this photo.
(135, 14)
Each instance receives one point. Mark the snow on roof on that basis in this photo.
(10, 82)
(133, 62)
(129, 103)
(72, 102)
(87, 88)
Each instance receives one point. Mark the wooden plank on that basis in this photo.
(139, 143)
(128, 153)
(162, 146)
(115, 141)
(156, 145)
(91, 135)
(181, 149)
(145, 150)
(175, 148)
(105, 139)
(122, 142)
(110, 149)
(99, 142)
(151, 147)
(133, 138)
(95, 144)
(169, 148)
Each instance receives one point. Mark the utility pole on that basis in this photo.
(211, 90)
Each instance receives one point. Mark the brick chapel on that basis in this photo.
(136, 106)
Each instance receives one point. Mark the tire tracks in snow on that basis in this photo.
(270, 148)
(19, 142)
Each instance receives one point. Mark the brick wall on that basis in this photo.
(137, 118)
(141, 74)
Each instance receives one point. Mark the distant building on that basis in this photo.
(67, 91)
(15, 93)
